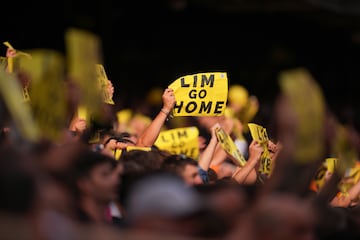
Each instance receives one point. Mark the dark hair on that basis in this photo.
(123, 137)
(176, 163)
(87, 160)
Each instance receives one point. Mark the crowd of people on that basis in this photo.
(105, 178)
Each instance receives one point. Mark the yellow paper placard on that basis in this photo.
(351, 177)
(319, 178)
(180, 141)
(308, 104)
(82, 113)
(104, 83)
(229, 146)
(10, 67)
(331, 164)
(83, 53)
(10, 90)
(131, 148)
(258, 133)
(343, 148)
(202, 94)
(11, 60)
(45, 71)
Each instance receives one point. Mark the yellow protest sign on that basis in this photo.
(104, 83)
(3, 61)
(83, 53)
(10, 67)
(48, 94)
(202, 94)
(258, 133)
(82, 113)
(21, 114)
(350, 178)
(343, 148)
(308, 105)
(229, 146)
(10, 60)
(180, 141)
(132, 148)
(118, 152)
(331, 164)
(318, 180)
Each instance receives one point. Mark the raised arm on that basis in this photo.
(149, 136)
(347, 200)
(248, 173)
(208, 153)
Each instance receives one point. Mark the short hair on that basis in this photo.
(87, 159)
(176, 163)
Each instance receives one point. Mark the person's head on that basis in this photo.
(283, 216)
(95, 176)
(162, 202)
(18, 181)
(183, 166)
(138, 160)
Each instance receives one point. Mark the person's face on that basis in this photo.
(102, 182)
(191, 175)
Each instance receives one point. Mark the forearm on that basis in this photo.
(242, 175)
(219, 156)
(149, 136)
(207, 155)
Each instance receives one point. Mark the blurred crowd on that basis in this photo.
(105, 178)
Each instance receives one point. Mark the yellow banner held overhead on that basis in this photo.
(258, 133)
(308, 105)
(82, 113)
(10, 66)
(104, 84)
(83, 53)
(10, 61)
(229, 146)
(331, 164)
(343, 149)
(180, 141)
(10, 90)
(350, 178)
(48, 94)
(318, 180)
(202, 94)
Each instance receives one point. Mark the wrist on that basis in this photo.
(165, 111)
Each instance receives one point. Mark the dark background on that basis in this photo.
(151, 43)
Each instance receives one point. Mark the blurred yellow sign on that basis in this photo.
(307, 101)
(258, 133)
(104, 83)
(229, 146)
(83, 53)
(48, 94)
(20, 112)
(180, 141)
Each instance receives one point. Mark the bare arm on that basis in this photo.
(149, 136)
(346, 201)
(208, 153)
(242, 174)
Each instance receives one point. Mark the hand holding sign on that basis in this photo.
(229, 146)
(11, 52)
(259, 134)
(168, 98)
